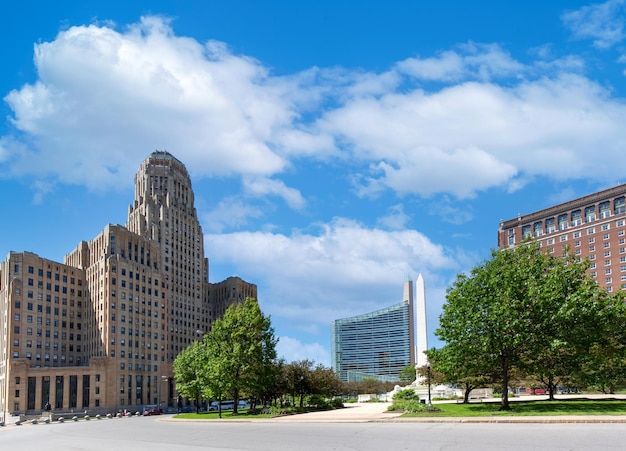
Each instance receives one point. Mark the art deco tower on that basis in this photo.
(164, 211)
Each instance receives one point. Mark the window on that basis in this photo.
(550, 227)
(592, 248)
(592, 239)
(537, 229)
(525, 231)
(577, 243)
(576, 218)
(563, 238)
(605, 209)
(619, 205)
(590, 213)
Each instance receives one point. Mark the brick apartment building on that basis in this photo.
(592, 226)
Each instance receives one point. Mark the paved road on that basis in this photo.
(359, 427)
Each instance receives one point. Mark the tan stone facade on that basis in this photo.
(100, 331)
(592, 227)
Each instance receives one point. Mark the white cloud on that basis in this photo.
(396, 219)
(130, 92)
(602, 22)
(347, 269)
(230, 213)
(472, 136)
(444, 208)
(262, 186)
(292, 349)
(487, 120)
(474, 61)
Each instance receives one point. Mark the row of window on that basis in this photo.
(573, 219)
(57, 276)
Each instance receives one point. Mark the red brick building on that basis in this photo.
(592, 226)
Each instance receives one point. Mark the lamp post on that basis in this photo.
(428, 374)
(163, 379)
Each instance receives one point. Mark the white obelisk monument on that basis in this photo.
(422, 331)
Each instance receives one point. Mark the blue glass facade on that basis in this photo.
(377, 344)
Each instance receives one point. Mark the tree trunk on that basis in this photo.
(505, 384)
(466, 396)
(551, 389)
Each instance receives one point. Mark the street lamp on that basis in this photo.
(163, 379)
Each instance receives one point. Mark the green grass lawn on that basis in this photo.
(228, 414)
(530, 408)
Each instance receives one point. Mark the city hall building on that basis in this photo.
(99, 332)
(592, 227)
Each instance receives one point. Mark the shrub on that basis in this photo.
(317, 401)
(276, 410)
(407, 395)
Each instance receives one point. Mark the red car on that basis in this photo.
(152, 411)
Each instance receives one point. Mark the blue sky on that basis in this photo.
(334, 147)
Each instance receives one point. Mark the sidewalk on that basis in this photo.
(377, 412)
(351, 413)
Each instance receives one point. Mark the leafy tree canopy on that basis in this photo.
(520, 304)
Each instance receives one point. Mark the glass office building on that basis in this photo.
(374, 345)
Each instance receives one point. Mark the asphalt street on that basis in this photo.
(358, 427)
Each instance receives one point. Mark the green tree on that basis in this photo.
(191, 372)
(511, 307)
(604, 363)
(241, 350)
(325, 382)
(408, 373)
(449, 365)
(298, 377)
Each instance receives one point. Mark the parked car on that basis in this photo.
(225, 405)
(152, 410)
